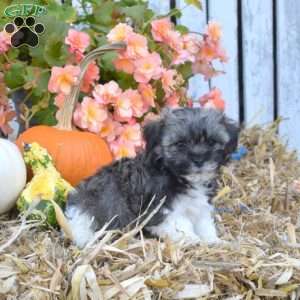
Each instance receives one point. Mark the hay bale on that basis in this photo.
(257, 213)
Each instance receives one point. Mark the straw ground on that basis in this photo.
(257, 215)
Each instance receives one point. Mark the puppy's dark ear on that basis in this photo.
(152, 134)
(233, 131)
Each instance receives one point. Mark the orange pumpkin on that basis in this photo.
(76, 154)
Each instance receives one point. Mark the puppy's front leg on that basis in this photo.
(177, 228)
(205, 226)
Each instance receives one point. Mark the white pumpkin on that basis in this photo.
(12, 174)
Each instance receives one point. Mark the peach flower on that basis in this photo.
(148, 94)
(62, 79)
(173, 100)
(190, 103)
(210, 47)
(222, 55)
(160, 29)
(90, 115)
(148, 68)
(191, 43)
(77, 40)
(5, 42)
(137, 105)
(119, 33)
(121, 119)
(107, 93)
(169, 80)
(110, 129)
(121, 149)
(174, 40)
(206, 69)
(208, 51)
(181, 57)
(136, 46)
(214, 31)
(213, 99)
(78, 57)
(189, 49)
(91, 75)
(132, 134)
(125, 64)
(59, 100)
(123, 107)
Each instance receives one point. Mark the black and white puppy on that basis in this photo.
(184, 149)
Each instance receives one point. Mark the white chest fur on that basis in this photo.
(189, 219)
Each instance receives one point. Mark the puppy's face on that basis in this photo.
(191, 141)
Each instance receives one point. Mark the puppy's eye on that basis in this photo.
(180, 144)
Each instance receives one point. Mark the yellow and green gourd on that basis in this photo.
(46, 184)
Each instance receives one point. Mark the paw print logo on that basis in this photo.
(24, 33)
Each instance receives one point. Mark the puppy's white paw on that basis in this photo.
(209, 236)
(214, 242)
(176, 228)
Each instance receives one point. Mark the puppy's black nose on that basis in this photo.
(197, 161)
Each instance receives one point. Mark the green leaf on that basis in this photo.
(149, 14)
(13, 53)
(182, 29)
(30, 74)
(102, 40)
(101, 28)
(42, 86)
(54, 26)
(62, 12)
(107, 61)
(44, 80)
(185, 70)
(136, 12)
(54, 30)
(46, 116)
(55, 51)
(160, 94)
(126, 81)
(174, 12)
(4, 4)
(196, 3)
(130, 2)
(152, 45)
(37, 55)
(103, 13)
(95, 2)
(3, 18)
(14, 77)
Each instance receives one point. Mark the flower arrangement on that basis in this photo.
(120, 91)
